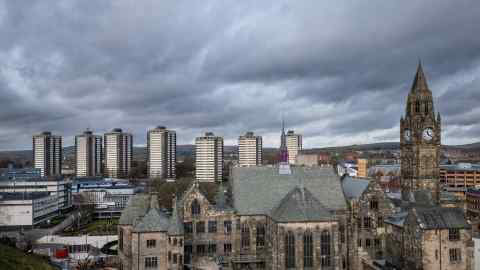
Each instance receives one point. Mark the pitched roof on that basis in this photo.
(136, 206)
(354, 187)
(258, 190)
(154, 220)
(420, 81)
(299, 205)
(440, 217)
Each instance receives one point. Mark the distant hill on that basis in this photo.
(140, 153)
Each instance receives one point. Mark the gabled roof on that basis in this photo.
(154, 220)
(354, 187)
(439, 217)
(299, 205)
(258, 190)
(137, 206)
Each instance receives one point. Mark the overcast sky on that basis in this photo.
(339, 73)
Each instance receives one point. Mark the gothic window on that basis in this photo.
(453, 234)
(227, 226)
(379, 222)
(195, 208)
(417, 106)
(212, 226)
(427, 105)
(373, 204)
(290, 250)
(245, 235)
(260, 235)
(200, 227)
(120, 240)
(455, 255)
(188, 227)
(342, 233)
(307, 250)
(151, 262)
(325, 248)
(367, 222)
(151, 243)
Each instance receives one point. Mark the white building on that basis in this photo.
(88, 154)
(47, 153)
(27, 209)
(209, 158)
(250, 150)
(294, 144)
(57, 187)
(161, 148)
(118, 148)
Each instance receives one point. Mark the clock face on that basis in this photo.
(407, 134)
(427, 134)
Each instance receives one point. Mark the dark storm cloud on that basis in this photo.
(339, 72)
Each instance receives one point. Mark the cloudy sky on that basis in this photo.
(339, 73)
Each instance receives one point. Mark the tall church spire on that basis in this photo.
(283, 145)
(420, 82)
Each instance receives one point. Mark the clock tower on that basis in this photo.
(420, 142)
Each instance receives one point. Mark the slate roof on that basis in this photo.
(397, 219)
(154, 220)
(176, 225)
(299, 205)
(440, 217)
(137, 206)
(260, 190)
(354, 187)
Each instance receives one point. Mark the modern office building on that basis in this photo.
(161, 148)
(47, 153)
(209, 158)
(26, 208)
(294, 144)
(108, 197)
(460, 175)
(250, 150)
(118, 148)
(88, 154)
(55, 186)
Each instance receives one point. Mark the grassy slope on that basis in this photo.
(11, 258)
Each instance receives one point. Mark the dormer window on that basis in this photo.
(195, 208)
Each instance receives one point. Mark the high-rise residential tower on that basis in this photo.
(294, 144)
(209, 158)
(88, 154)
(250, 150)
(47, 154)
(162, 147)
(118, 148)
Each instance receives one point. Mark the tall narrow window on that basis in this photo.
(417, 106)
(195, 208)
(260, 235)
(290, 250)
(307, 250)
(325, 248)
(245, 235)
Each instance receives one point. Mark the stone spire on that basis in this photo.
(420, 81)
(283, 156)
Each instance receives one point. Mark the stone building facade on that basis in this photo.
(424, 233)
(270, 221)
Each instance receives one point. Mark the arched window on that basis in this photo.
(307, 250)
(325, 248)
(417, 106)
(195, 208)
(290, 250)
(245, 235)
(427, 107)
(260, 234)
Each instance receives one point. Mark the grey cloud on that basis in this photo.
(336, 70)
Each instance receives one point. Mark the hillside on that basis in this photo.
(15, 259)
